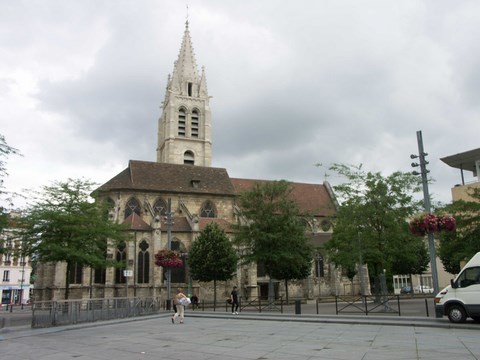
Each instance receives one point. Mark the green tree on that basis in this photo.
(212, 257)
(463, 243)
(5, 196)
(372, 223)
(273, 233)
(66, 225)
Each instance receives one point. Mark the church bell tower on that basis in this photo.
(184, 128)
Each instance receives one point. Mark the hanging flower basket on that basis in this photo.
(168, 258)
(429, 223)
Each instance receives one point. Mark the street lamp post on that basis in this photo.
(169, 221)
(319, 271)
(426, 204)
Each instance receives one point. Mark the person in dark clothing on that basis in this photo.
(234, 300)
(194, 300)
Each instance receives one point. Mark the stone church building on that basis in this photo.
(178, 195)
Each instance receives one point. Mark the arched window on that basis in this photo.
(182, 121)
(160, 207)
(121, 255)
(143, 264)
(208, 210)
(178, 274)
(188, 158)
(195, 118)
(75, 273)
(132, 206)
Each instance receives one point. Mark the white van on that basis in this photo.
(461, 299)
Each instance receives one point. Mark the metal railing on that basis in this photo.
(65, 312)
(255, 304)
(385, 304)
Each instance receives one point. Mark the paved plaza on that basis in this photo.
(246, 336)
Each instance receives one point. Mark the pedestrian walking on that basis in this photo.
(181, 300)
(234, 300)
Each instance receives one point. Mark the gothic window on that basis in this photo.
(99, 276)
(195, 118)
(143, 264)
(188, 158)
(319, 270)
(325, 225)
(121, 255)
(132, 207)
(160, 207)
(75, 274)
(182, 122)
(190, 89)
(261, 270)
(208, 210)
(177, 274)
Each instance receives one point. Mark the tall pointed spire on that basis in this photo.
(185, 71)
(184, 129)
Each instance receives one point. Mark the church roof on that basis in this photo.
(135, 222)
(312, 198)
(222, 223)
(171, 178)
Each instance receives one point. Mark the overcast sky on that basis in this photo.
(293, 83)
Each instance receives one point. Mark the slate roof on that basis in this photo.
(171, 178)
(312, 198)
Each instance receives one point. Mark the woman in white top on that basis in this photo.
(180, 308)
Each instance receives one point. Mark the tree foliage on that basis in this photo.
(371, 222)
(463, 243)
(212, 256)
(66, 225)
(6, 200)
(274, 231)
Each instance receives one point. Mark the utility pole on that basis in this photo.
(426, 204)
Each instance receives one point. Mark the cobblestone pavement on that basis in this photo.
(247, 336)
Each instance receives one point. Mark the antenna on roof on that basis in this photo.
(186, 22)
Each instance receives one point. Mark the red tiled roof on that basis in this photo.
(312, 198)
(222, 223)
(135, 222)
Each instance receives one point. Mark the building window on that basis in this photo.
(195, 123)
(261, 270)
(143, 264)
(177, 274)
(121, 255)
(188, 158)
(160, 207)
(75, 274)
(190, 89)
(319, 270)
(182, 121)
(6, 275)
(208, 210)
(99, 276)
(132, 207)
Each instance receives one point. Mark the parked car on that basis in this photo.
(461, 299)
(422, 289)
(406, 290)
